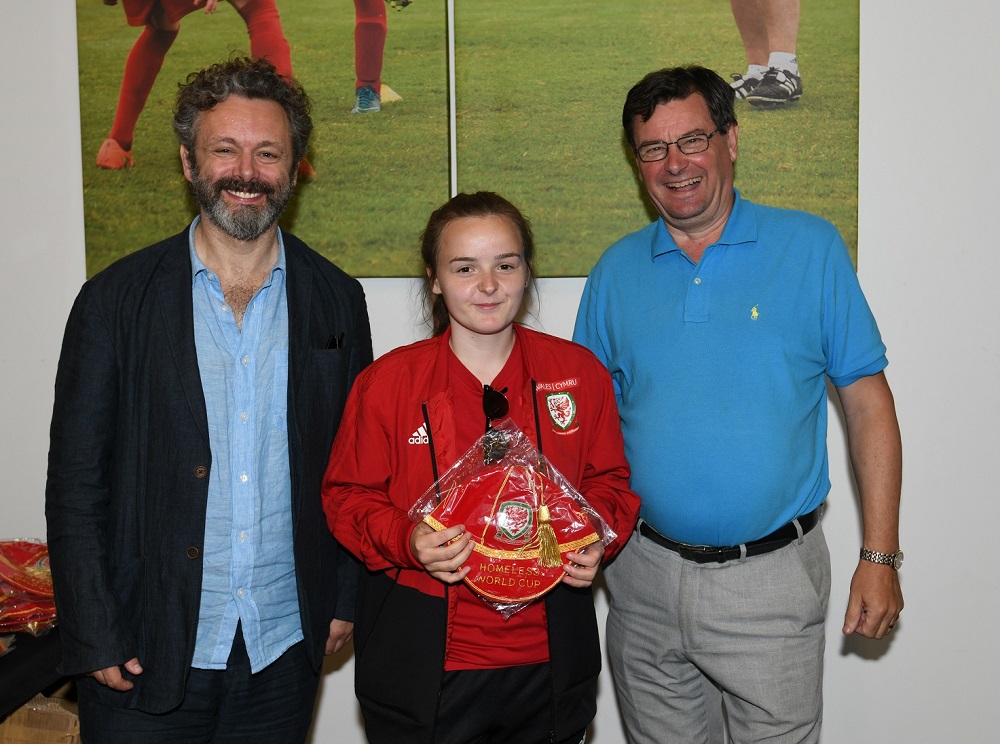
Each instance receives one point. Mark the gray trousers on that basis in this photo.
(753, 628)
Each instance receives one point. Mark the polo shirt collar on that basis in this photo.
(741, 227)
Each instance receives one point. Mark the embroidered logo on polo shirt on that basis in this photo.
(753, 313)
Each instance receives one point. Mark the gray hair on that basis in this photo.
(248, 78)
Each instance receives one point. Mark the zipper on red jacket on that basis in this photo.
(538, 421)
(430, 445)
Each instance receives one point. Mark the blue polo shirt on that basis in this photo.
(721, 367)
(249, 566)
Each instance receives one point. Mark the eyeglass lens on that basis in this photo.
(692, 145)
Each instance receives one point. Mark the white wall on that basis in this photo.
(928, 265)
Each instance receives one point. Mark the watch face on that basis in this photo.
(897, 560)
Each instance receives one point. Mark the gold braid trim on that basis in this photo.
(434, 523)
(508, 600)
(514, 555)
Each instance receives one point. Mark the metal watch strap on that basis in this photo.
(888, 559)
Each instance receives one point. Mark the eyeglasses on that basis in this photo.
(495, 443)
(652, 152)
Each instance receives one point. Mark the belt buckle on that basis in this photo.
(705, 553)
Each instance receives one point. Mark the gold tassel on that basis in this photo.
(548, 544)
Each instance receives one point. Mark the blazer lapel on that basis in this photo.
(174, 294)
(299, 286)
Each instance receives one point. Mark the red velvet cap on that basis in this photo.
(507, 510)
(24, 565)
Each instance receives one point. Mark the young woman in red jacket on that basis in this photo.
(434, 662)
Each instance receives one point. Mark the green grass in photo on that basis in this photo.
(378, 175)
(540, 94)
(540, 89)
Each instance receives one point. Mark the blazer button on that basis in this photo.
(193, 552)
(200, 472)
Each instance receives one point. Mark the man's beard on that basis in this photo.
(241, 221)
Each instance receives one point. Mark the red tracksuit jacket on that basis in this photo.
(381, 463)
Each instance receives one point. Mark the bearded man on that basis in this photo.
(200, 386)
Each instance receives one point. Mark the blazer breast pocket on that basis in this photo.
(328, 365)
(325, 378)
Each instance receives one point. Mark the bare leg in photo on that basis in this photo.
(769, 30)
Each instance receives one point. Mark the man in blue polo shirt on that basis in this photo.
(720, 324)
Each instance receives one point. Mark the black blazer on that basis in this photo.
(129, 459)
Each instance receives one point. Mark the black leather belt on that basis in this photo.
(707, 554)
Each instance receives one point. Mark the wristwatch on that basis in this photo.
(889, 559)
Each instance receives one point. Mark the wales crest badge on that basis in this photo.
(562, 410)
(514, 519)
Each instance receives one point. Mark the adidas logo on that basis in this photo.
(419, 436)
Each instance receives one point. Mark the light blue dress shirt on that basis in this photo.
(249, 568)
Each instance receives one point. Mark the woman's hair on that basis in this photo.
(461, 206)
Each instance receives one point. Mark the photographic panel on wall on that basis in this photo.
(378, 174)
(539, 86)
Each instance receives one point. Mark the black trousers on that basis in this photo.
(498, 706)
(230, 706)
